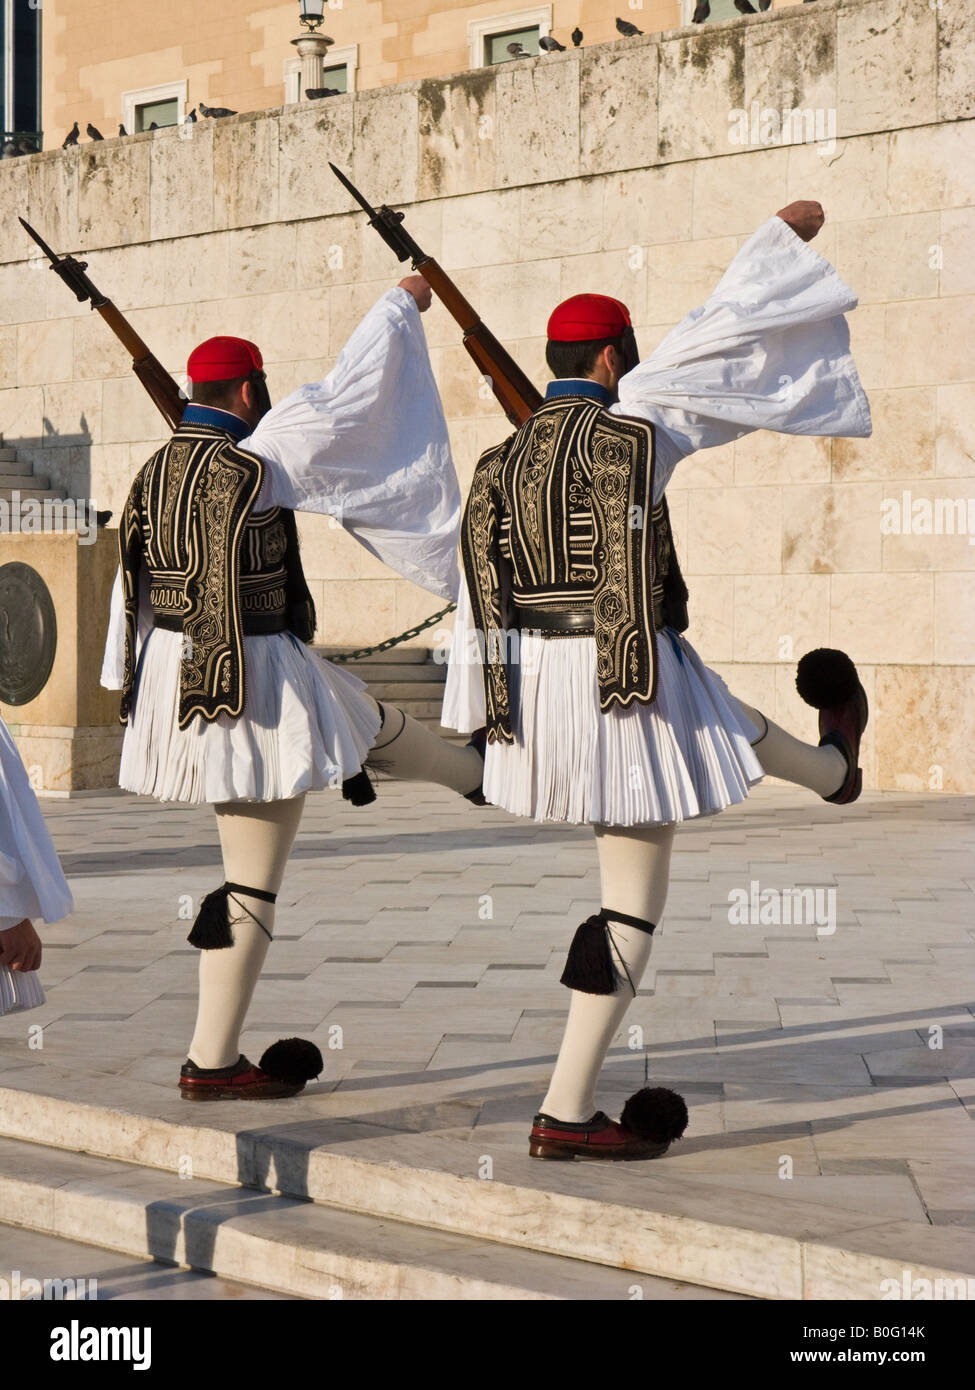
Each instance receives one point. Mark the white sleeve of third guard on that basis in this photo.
(113, 660)
(770, 349)
(463, 700)
(368, 445)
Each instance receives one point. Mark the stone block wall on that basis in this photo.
(610, 168)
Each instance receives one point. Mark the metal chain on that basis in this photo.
(395, 641)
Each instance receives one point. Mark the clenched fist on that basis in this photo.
(804, 218)
(419, 289)
(20, 947)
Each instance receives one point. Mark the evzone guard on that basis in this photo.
(222, 700)
(568, 641)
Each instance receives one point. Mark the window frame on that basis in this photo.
(144, 96)
(480, 29)
(334, 58)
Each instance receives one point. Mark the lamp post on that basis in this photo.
(312, 46)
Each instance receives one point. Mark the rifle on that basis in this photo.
(150, 371)
(516, 394)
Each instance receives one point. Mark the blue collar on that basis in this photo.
(219, 419)
(578, 386)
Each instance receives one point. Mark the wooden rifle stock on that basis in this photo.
(515, 392)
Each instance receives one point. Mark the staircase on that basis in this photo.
(409, 677)
(21, 478)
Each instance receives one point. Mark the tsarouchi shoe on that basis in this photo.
(283, 1071)
(651, 1120)
(827, 679)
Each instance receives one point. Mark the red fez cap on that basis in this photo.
(222, 359)
(586, 317)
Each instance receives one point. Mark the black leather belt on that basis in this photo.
(566, 621)
(254, 624)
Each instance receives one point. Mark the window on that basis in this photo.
(496, 45)
(338, 73)
(720, 11)
(489, 38)
(160, 112)
(165, 104)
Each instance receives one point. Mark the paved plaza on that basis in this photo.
(829, 1066)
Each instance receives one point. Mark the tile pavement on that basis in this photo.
(420, 943)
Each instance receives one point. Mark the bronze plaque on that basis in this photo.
(28, 634)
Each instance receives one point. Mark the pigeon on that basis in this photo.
(24, 146)
(516, 51)
(71, 138)
(94, 133)
(215, 111)
(153, 126)
(745, 7)
(577, 36)
(551, 45)
(702, 12)
(121, 129)
(9, 150)
(191, 117)
(314, 93)
(627, 29)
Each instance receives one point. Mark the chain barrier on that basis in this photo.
(394, 641)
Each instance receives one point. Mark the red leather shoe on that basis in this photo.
(283, 1071)
(651, 1120)
(828, 680)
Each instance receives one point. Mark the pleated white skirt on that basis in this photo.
(686, 755)
(306, 725)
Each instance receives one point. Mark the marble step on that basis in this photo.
(401, 672)
(404, 655)
(34, 482)
(690, 1227)
(283, 1244)
(9, 455)
(12, 467)
(34, 494)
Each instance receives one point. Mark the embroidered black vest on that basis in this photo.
(561, 517)
(211, 562)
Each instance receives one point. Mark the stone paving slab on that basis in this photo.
(420, 944)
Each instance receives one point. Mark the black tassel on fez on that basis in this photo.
(589, 966)
(358, 789)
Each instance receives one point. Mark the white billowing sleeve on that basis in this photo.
(463, 699)
(113, 660)
(770, 349)
(32, 883)
(368, 446)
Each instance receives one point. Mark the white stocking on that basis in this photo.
(406, 750)
(634, 872)
(822, 770)
(256, 839)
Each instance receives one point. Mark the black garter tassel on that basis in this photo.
(211, 930)
(589, 966)
(358, 789)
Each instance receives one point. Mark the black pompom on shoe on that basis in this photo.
(292, 1060)
(655, 1113)
(826, 678)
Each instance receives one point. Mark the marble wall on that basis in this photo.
(612, 168)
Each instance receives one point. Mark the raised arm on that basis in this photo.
(769, 349)
(368, 445)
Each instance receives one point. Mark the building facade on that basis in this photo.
(108, 61)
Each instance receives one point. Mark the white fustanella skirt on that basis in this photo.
(306, 725)
(686, 755)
